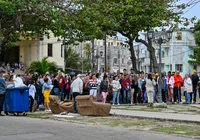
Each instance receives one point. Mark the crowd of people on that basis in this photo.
(124, 88)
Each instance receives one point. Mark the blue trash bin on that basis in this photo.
(16, 100)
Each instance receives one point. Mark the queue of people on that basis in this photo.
(124, 88)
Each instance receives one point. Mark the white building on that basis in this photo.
(175, 53)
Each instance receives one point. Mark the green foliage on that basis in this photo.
(87, 50)
(43, 66)
(22, 19)
(195, 58)
(72, 60)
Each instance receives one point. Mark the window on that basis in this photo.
(122, 60)
(111, 43)
(179, 67)
(117, 43)
(170, 67)
(179, 36)
(163, 54)
(50, 50)
(115, 61)
(98, 43)
(108, 43)
(145, 53)
(62, 50)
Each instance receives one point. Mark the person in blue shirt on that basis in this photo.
(2, 91)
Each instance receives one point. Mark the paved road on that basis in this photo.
(20, 128)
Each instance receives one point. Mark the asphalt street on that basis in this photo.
(21, 128)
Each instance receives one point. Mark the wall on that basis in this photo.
(33, 50)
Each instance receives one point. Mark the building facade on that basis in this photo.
(117, 57)
(175, 53)
(34, 50)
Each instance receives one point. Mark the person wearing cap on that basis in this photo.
(2, 91)
(77, 89)
(195, 80)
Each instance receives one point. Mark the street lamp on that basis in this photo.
(161, 40)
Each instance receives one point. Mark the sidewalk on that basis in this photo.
(156, 115)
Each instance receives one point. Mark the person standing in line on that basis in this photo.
(62, 83)
(47, 89)
(38, 96)
(67, 88)
(170, 87)
(2, 91)
(133, 83)
(99, 82)
(126, 84)
(116, 89)
(142, 89)
(77, 89)
(92, 85)
(188, 88)
(150, 89)
(104, 88)
(195, 80)
(163, 87)
(56, 89)
(177, 87)
(32, 92)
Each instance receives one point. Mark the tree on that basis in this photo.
(43, 66)
(72, 60)
(87, 50)
(127, 17)
(33, 18)
(195, 58)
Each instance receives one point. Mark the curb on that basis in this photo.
(155, 118)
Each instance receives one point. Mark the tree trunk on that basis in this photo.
(133, 58)
(152, 54)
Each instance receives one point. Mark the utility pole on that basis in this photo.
(119, 57)
(138, 56)
(92, 56)
(82, 56)
(105, 53)
(97, 56)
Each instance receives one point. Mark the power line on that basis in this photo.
(192, 4)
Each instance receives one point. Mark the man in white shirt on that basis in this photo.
(32, 91)
(77, 89)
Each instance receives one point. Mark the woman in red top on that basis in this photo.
(126, 84)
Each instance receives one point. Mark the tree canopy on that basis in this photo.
(195, 58)
(33, 18)
(127, 17)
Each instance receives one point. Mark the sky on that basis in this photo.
(193, 10)
(189, 12)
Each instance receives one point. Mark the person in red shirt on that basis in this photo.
(177, 87)
(126, 84)
(62, 83)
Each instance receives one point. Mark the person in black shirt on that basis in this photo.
(195, 80)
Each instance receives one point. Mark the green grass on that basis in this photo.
(187, 130)
(39, 115)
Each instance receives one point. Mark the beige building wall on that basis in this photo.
(34, 50)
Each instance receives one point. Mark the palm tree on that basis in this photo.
(87, 50)
(72, 60)
(42, 66)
